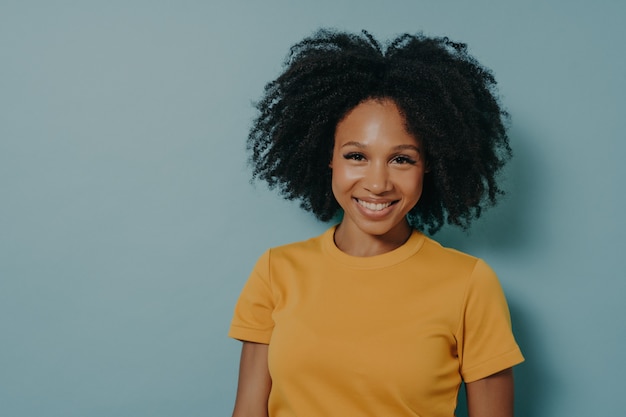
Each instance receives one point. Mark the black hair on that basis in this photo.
(447, 98)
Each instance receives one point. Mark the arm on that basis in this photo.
(491, 396)
(254, 385)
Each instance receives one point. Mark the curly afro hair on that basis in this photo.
(447, 98)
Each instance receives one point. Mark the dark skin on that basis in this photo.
(376, 160)
(491, 396)
(255, 383)
(448, 99)
(488, 397)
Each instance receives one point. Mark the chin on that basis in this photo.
(380, 230)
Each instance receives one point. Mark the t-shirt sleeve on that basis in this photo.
(486, 342)
(252, 319)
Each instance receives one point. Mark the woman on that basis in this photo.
(373, 318)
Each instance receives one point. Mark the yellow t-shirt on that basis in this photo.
(388, 335)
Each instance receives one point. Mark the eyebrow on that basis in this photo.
(396, 148)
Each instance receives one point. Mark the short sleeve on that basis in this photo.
(486, 341)
(252, 319)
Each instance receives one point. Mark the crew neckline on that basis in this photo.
(401, 253)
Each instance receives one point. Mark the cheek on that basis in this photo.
(413, 187)
(342, 175)
(338, 181)
(419, 188)
(343, 182)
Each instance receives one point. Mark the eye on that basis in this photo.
(403, 159)
(354, 156)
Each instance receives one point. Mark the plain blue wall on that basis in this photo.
(128, 225)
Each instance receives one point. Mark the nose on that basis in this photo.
(377, 178)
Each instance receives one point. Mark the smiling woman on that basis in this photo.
(377, 178)
(447, 99)
(373, 318)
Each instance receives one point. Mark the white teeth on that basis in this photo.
(373, 206)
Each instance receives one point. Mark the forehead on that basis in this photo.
(373, 121)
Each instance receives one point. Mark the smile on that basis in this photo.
(373, 206)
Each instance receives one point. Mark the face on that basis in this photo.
(377, 170)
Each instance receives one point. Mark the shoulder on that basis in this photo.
(447, 257)
(299, 250)
(290, 260)
(450, 264)
(472, 274)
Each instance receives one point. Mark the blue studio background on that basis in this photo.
(128, 224)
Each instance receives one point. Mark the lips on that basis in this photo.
(374, 206)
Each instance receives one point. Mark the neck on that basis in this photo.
(363, 244)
